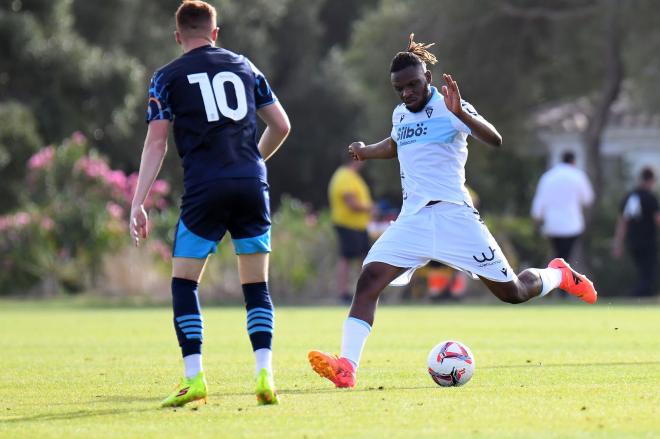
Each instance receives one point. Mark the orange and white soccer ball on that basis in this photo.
(451, 363)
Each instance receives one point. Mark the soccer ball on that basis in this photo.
(450, 364)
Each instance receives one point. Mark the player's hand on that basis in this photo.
(139, 224)
(355, 150)
(452, 95)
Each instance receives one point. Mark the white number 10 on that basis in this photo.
(215, 98)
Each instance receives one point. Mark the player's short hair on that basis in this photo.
(195, 16)
(647, 174)
(568, 157)
(415, 54)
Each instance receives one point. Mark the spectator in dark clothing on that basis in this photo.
(638, 225)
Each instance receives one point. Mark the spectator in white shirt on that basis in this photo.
(563, 192)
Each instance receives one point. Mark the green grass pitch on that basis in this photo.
(542, 372)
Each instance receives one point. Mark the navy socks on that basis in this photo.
(260, 319)
(187, 316)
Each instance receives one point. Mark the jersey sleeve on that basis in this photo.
(397, 117)
(632, 206)
(263, 95)
(158, 106)
(624, 201)
(468, 108)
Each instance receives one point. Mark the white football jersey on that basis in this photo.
(432, 151)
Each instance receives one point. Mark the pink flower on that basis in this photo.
(22, 219)
(161, 204)
(160, 187)
(5, 223)
(14, 222)
(42, 159)
(47, 223)
(129, 189)
(78, 138)
(311, 219)
(115, 210)
(161, 249)
(92, 167)
(117, 181)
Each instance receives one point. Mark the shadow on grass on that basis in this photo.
(118, 399)
(73, 415)
(532, 363)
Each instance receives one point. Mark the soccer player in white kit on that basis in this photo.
(438, 220)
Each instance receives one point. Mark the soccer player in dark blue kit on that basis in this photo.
(212, 97)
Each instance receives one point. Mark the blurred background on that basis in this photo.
(552, 76)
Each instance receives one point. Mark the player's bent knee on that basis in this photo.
(368, 285)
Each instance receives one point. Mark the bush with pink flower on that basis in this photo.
(71, 234)
(73, 211)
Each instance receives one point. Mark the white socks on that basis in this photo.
(550, 278)
(193, 365)
(355, 335)
(263, 360)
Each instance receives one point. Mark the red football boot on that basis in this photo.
(573, 282)
(337, 369)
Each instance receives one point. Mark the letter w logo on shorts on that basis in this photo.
(485, 258)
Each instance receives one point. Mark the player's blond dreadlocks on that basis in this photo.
(415, 54)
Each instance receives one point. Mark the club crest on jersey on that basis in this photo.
(429, 111)
(401, 119)
(408, 132)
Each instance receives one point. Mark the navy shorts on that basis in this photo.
(352, 243)
(238, 205)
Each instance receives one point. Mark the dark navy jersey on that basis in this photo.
(211, 95)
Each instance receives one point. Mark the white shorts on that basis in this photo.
(445, 232)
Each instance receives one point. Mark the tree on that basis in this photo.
(18, 141)
(510, 57)
(66, 83)
(289, 40)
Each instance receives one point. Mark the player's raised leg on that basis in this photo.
(342, 369)
(468, 232)
(253, 271)
(535, 282)
(186, 273)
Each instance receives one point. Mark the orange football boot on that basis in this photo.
(573, 282)
(337, 369)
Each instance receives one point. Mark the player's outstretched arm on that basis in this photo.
(153, 153)
(385, 149)
(480, 127)
(277, 129)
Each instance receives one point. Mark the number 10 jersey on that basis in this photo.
(212, 95)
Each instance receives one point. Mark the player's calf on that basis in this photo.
(519, 290)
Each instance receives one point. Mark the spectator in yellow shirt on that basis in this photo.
(350, 210)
